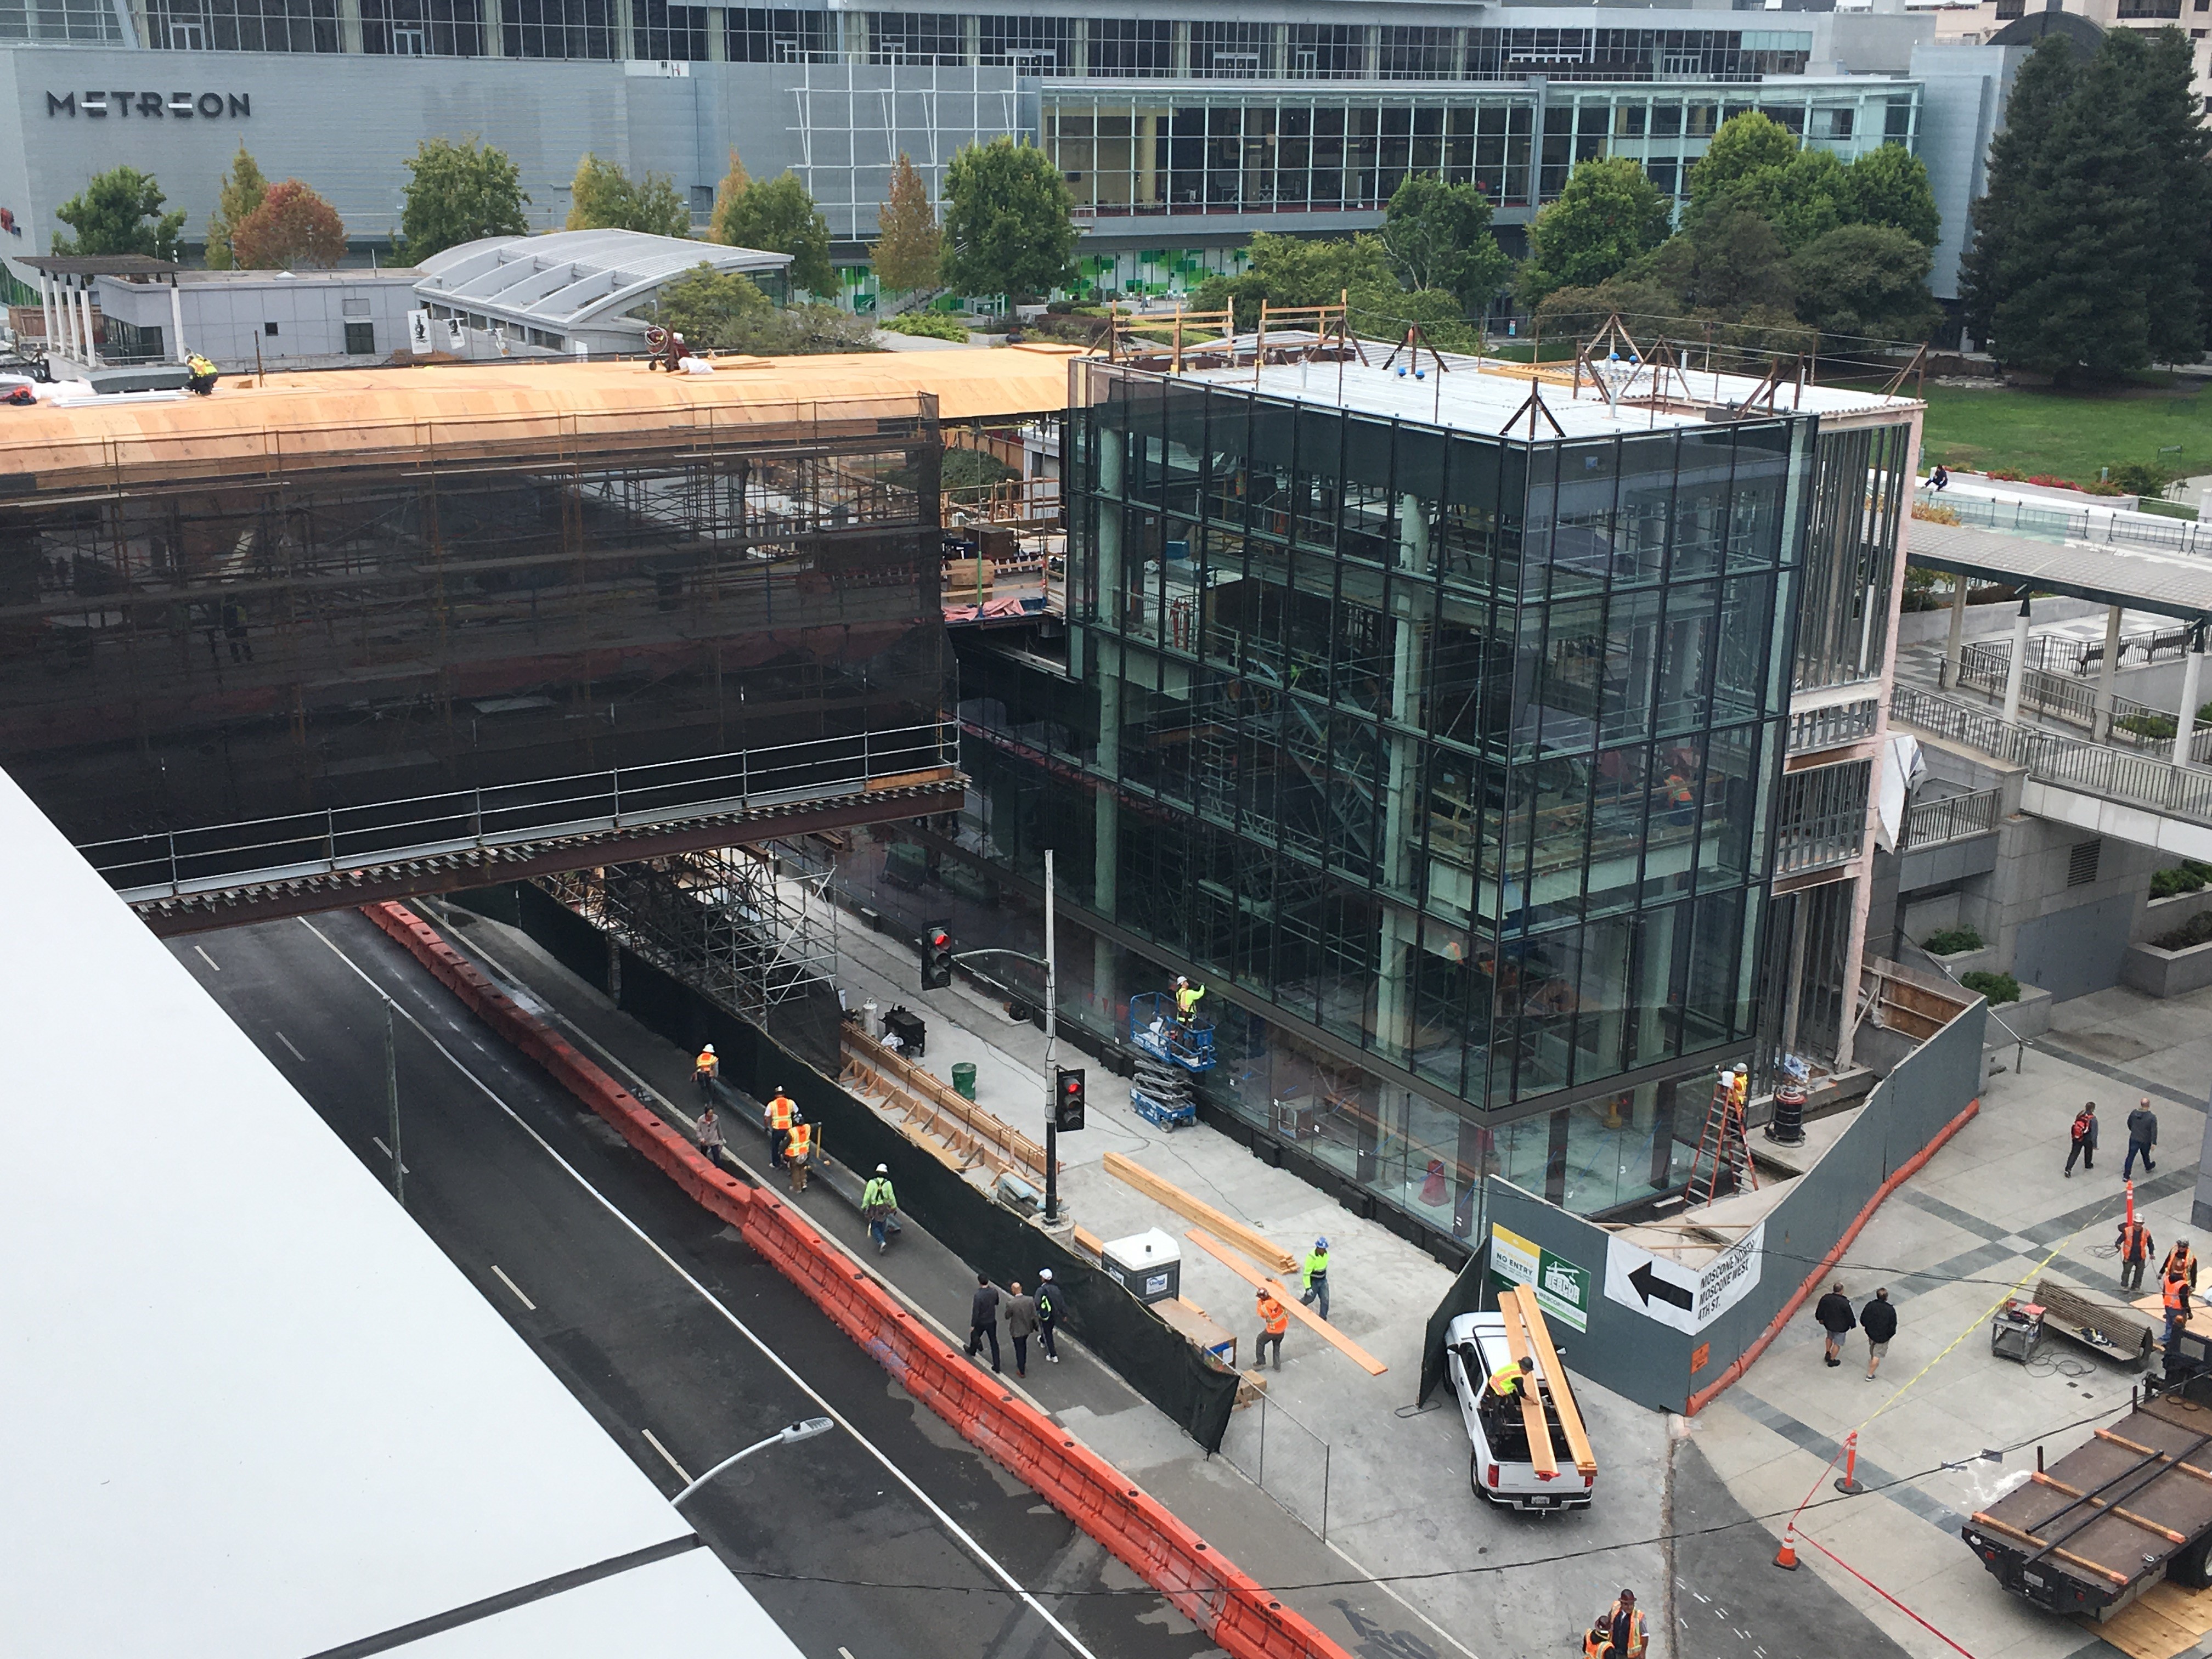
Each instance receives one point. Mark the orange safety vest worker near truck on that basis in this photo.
(1618, 1633)
(777, 1114)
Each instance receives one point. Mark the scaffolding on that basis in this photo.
(722, 921)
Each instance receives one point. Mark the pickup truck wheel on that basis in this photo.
(2191, 1569)
(1475, 1472)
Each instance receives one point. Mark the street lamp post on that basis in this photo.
(805, 1429)
(1051, 1058)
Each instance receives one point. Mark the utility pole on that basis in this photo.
(392, 1101)
(1051, 1060)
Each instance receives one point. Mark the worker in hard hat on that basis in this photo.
(203, 374)
(704, 1070)
(777, 1116)
(1618, 1633)
(1186, 999)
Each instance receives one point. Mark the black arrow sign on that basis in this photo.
(1648, 1285)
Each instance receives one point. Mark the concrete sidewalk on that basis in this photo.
(1397, 1494)
(1991, 1212)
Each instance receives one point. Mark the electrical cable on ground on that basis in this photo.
(1884, 1594)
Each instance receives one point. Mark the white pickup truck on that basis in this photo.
(1557, 1471)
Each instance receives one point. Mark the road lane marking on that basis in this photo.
(681, 1473)
(208, 959)
(287, 1041)
(377, 1141)
(960, 1534)
(516, 1288)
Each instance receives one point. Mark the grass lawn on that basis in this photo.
(2068, 435)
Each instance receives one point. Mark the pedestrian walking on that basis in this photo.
(1274, 1319)
(983, 1318)
(2174, 1292)
(879, 1208)
(775, 1117)
(2084, 1138)
(710, 1137)
(2142, 1136)
(798, 1150)
(1021, 1325)
(704, 1070)
(1836, 1317)
(1316, 1277)
(2136, 1246)
(1047, 1301)
(1877, 1319)
(2179, 1261)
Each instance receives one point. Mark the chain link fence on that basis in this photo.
(1283, 1458)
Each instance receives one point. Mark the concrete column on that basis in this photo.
(350, 27)
(1950, 678)
(495, 29)
(2107, 675)
(2016, 674)
(1394, 995)
(46, 308)
(625, 30)
(91, 333)
(1103, 648)
(177, 351)
(718, 38)
(2192, 669)
(2200, 1206)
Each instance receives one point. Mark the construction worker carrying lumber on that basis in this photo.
(1186, 999)
(1274, 1319)
(2179, 1261)
(1316, 1277)
(777, 1115)
(1618, 1633)
(704, 1070)
(797, 1150)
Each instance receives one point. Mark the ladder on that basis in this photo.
(1722, 1140)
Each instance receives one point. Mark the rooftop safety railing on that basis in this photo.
(2067, 762)
(2059, 521)
(211, 858)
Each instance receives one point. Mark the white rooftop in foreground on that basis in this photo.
(250, 1409)
(1466, 396)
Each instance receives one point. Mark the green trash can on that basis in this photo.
(963, 1078)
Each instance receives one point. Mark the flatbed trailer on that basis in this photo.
(2108, 1520)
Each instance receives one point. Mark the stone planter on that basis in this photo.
(2163, 915)
(2028, 1018)
(2167, 972)
(1966, 961)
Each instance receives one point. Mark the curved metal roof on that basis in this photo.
(572, 279)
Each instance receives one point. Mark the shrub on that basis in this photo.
(2050, 483)
(1999, 989)
(2146, 725)
(2197, 930)
(1934, 513)
(2099, 487)
(928, 326)
(2187, 877)
(2137, 478)
(1950, 941)
(2005, 475)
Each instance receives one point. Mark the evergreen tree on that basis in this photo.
(458, 193)
(1009, 224)
(777, 217)
(120, 212)
(238, 194)
(1610, 216)
(909, 250)
(1865, 282)
(2019, 162)
(2180, 193)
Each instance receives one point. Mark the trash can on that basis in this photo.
(963, 1078)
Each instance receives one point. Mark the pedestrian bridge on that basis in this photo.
(2127, 795)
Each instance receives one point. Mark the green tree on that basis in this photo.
(1732, 266)
(2178, 269)
(237, 195)
(1741, 164)
(605, 197)
(1865, 282)
(2019, 164)
(777, 217)
(1888, 185)
(1608, 216)
(1008, 222)
(1295, 270)
(1437, 235)
(909, 250)
(120, 212)
(293, 227)
(722, 310)
(1809, 198)
(457, 193)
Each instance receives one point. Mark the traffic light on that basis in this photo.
(936, 955)
(1067, 1100)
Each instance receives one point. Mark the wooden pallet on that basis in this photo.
(2162, 1623)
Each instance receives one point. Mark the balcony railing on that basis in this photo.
(1953, 818)
(1822, 821)
(2060, 522)
(1986, 666)
(2069, 763)
(1834, 726)
(213, 857)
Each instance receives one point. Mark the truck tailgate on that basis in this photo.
(2107, 1514)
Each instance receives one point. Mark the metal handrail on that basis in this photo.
(1951, 817)
(1986, 664)
(2089, 768)
(208, 857)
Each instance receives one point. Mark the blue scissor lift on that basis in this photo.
(1169, 1052)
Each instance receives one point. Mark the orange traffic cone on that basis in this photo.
(1786, 1557)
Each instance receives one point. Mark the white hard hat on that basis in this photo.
(1044, 1273)
(883, 1169)
(708, 1049)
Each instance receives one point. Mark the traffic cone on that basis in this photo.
(1786, 1557)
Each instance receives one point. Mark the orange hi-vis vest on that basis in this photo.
(780, 1110)
(1277, 1316)
(2176, 1292)
(708, 1064)
(2178, 1260)
(802, 1139)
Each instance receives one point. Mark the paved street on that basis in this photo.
(649, 1309)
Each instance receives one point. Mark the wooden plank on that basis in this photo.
(1253, 1243)
(1555, 1381)
(2155, 1626)
(1518, 1347)
(1297, 1310)
(1090, 1243)
(2129, 1516)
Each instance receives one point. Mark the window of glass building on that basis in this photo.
(768, 36)
(1407, 52)
(410, 28)
(1035, 45)
(672, 33)
(1130, 45)
(243, 25)
(557, 28)
(1326, 52)
(1232, 51)
(917, 37)
(82, 21)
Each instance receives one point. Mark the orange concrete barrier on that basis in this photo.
(1243, 1619)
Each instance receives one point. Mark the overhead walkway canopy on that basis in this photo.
(2159, 583)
